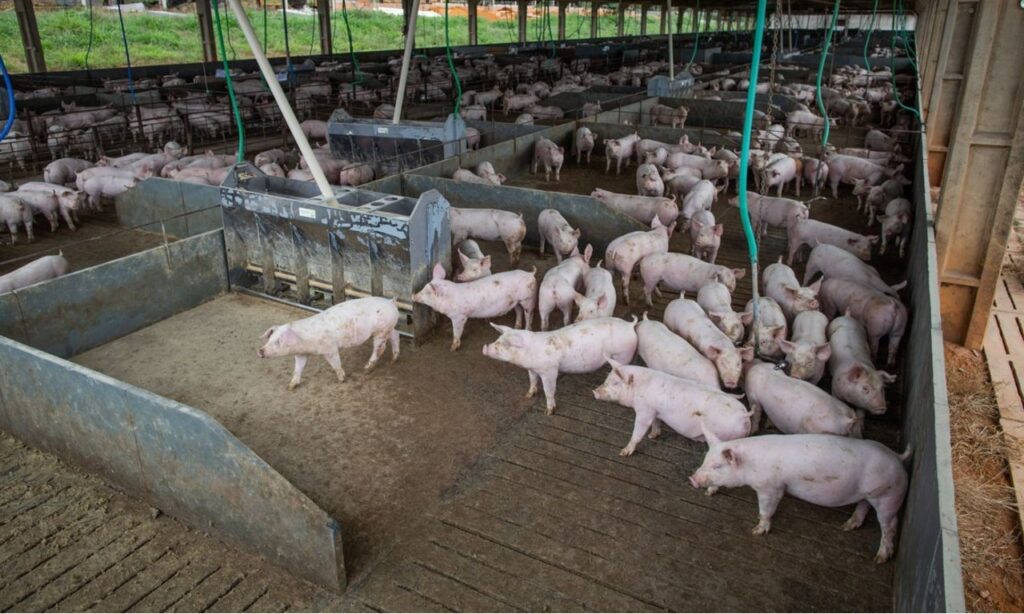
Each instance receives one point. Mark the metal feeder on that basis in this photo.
(395, 147)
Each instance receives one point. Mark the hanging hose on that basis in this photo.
(867, 40)
(265, 26)
(227, 17)
(748, 125)
(88, 50)
(451, 63)
(127, 56)
(11, 109)
(227, 79)
(290, 70)
(696, 41)
(898, 5)
(821, 69)
(356, 71)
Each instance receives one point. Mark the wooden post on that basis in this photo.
(643, 19)
(521, 16)
(562, 6)
(323, 15)
(944, 67)
(473, 17)
(620, 23)
(984, 168)
(595, 15)
(30, 35)
(663, 22)
(204, 14)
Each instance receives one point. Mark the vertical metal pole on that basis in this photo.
(562, 6)
(30, 35)
(410, 44)
(671, 49)
(662, 25)
(620, 24)
(521, 17)
(472, 18)
(643, 19)
(595, 14)
(323, 14)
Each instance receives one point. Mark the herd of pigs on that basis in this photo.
(710, 374)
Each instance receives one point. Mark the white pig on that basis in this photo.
(716, 300)
(795, 406)
(489, 225)
(474, 264)
(705, 236)
(770, 327)
(584, 143)
(599, 301)
(812, 232)
(624, 252)
(780, 283)
(547, 153)
(14, 213)
(766, 211)
(39, 270)
(896, 225)
(684, 406)
(486, 170)
(836, 263)
(683, 273)
(854, 377)
(686, 319)
(583, 347)
(808, 350)
(558, 288)
(619, 149)
(556, 230)
(881, 314)
(345, 325)
(648, 181)
(640, 208)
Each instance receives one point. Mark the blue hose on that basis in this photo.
(821, 69)
(748, 124)
(11, 110)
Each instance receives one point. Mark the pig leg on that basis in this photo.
(558, 170)
(547, 172)
(566, 314)
(67, 218)
(458, 324)
(607, 165)
(767, 502)
(380, 343)
(527, 314)
(858, 517)
(549, 379)
(300, 364)
(588, 156)
(395, 348)
(755, 417)
(532, 392)
(641, 424)
(28, 231)
(13, 227)
(540, 250)
(887, 510)
(53, 221)
(545, 314)
(655, 429)
(533, 169)
(895, 336)
(334, 359)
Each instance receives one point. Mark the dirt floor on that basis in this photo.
(990, 539)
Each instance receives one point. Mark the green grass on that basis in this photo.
(164, 39)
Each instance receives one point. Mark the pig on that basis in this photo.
(875, 197)
(779, 174)
(583, 143)
(14, 213)
(474, 111)
(516, 102)
(662, 114)
(770, 328)
(838, 263)
(314, 129)
(662, 349)
(555, 229)
(39, 270)
(716, 300)
(812, 232)
(590, 109)
(618, 150)
(824, 470)
(354, 174)
(52, 202)
(700, 197)
(766, 211)
(468, 176)
(486, 170)
(275, 156)
(709, 169)
(896, 225)
(876, 140)
(558, 288)
(5, 187)
(795, 406)
(648, 181)
(854, 377)
(624, 252)
(106, 185)
(647, 146)
(121, 162)
(599, 301)
(489, 225)
(16, 147)
(545, 112)
(686, 319)
(524, 119)
(489, 297)
(780, 283)
(489, 97)
(682, 273)
(803, 122)
(546, 152)
(583, 347)
(472, 138)
(299, 174)
(344, 325)
(641, 208)
(705, 236)
(808, 350)
(848, 169)
(273, 169)
(474, 264)
(686, 407)
(64, 170)
(681, 181)
(881, 314)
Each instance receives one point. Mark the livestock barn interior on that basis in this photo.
(164, 223)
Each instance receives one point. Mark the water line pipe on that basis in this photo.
(410, 43)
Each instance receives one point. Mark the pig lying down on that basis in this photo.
(39, 270)
(342, 326)
(824, 470)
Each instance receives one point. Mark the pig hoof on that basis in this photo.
(710, 491)
(654, 434)
(627, 451)
(882, 557)
(760, 529)
(550, 411)
(370, 365)
(851, 525)
(455, 346)
(293, 385)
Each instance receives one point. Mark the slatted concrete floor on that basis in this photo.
(70, 543)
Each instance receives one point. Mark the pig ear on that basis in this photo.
(716, 316)
(747, 353)
(887, 378)
(719, 229)
(855, 372)
(739, 273)
(787, 346)
(561, 149)
(872, 239)
(709, 437)
(462, 257)
(656, 223)
(822, 352)
(730, 455)
(439, 272)
(747, 317)
(816, 286)
(486, 262)
(576, 233)
(500, 328)
(268, 332)
(602, 301)
(578, 298)
(713, 353)
(779, 332)
(587, 253)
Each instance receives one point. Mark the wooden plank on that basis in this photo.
(1007, 395)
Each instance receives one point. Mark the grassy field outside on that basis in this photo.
(159, 38)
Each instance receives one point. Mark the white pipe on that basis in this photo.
(410, 43)
(671, 60)
(282, 101)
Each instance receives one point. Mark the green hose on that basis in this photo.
(231, 87)
(451, 63)
(821, 69)
(696, 41)
(867, 41)
(892, 66)
(748, 124)
(356, 71)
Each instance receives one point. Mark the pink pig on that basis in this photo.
(39, 270)
(686, 319)
(555, 229)
(624, 252)
(599, 301)
(771, 327)
(795, 406)
(836, 263)
(684, 406)
(766, 211)
(716, 300)
(881, 314)
(662, 349)
(854, 377)
(345, 325)
(682, 273)
(640, 208)
(489, 225)
(808, 350)
(812, 232)
(558, 288)
(583, 347)
(824, 470)
(780, 283)
(550, 155)
(618, 150)
(705, 236)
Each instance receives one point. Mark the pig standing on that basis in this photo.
(555, 229)
(848, 169)
(766, 211)
(474, 263)
(851, 471)
(808, 350)
(468, 176)
(584, 143)
(64, 170)
(549, 154)
(619, 149)
(663, 114)
(699, 198)
(662, 349)
(489, 225)
(14, 213)
(716, 300)
(648, 181)
(49, 203)
(780, 173)
(770, 328)
(640, 208)
(682, 273)
(854, 377)
(815, 172)
(583, 347)
(39, 270)
(486, 298)
(558, 288)
(795, 406)
(686, 319)
(812, 232)
(345, 325)
(881, 314)
(780, 284)
(896, 225)
(599, 301)
(684, 406)
(838, 263)
(705, 236)
(624, 252)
